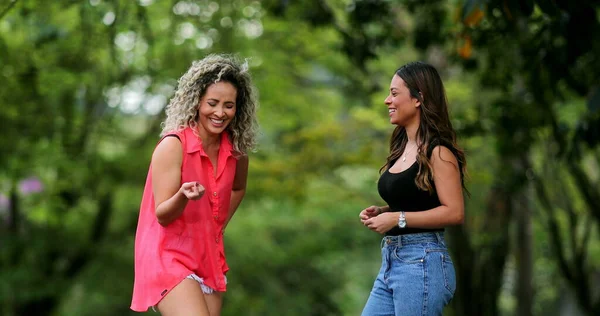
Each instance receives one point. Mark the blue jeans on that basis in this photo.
(416, 277)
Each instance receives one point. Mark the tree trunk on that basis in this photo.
(524, 254)
(40, 307)
(480, 271)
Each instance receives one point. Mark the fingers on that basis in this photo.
(363, 215)
(200, 188)
(372, 225)
(369, 216)
(193, 190)
(187, 185)
(369, 210)
(198, 191)
(373, 210)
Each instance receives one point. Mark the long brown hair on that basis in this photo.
(424, 83)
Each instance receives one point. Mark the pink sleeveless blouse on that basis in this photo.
(193, 243)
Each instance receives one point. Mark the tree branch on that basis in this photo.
(105, 210)
(588, 191)
(149, 37)
(573, 218)
(14, 212)
(574, 272)
(555, 235)
(112, 32)
(581, 250)
(10, 6)
(590, 195)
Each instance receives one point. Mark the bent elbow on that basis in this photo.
(240, 193)
(162, 220)
(162, 223)
(460, 217)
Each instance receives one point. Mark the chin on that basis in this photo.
(394, 121)
(216, 131)
(400, 121)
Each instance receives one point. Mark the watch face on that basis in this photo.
(402, 220)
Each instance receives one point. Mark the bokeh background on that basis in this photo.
(83, 84)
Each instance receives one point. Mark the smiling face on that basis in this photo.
(217, 108)
(402, 107)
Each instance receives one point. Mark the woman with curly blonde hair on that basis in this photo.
(210, 128)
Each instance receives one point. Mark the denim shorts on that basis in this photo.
(416, 277)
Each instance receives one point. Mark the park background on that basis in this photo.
(82, 89)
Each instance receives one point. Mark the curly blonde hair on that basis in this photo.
(182, 110)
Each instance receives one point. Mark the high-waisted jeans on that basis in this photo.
(416, 277)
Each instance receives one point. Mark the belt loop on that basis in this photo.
(382, 242)
(440, 240)
(400, 240)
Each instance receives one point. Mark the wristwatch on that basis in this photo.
(402, 220)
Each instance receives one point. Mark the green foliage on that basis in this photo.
(83, 85)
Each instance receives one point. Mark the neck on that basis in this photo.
(208, 140)
(411, 132)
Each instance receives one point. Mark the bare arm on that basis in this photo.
(239, 186)
(170, 196)
(446, 176)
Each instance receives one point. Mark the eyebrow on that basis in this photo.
(394, 88)
(217, 100)
(213, 99)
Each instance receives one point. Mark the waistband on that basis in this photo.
(437, 237)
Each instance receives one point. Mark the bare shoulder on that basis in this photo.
(242, 164)
(168, 149)
(441, 155)
(243, 159)
(241, 173)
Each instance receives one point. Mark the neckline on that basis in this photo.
(403, 171)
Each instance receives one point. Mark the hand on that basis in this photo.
(192, 190)
(369, 212)
(382, 222)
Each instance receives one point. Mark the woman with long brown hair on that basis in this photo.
(422, 181)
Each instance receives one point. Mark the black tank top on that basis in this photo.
(401, 193)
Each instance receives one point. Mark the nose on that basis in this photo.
(388, 100)
(219, 111)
